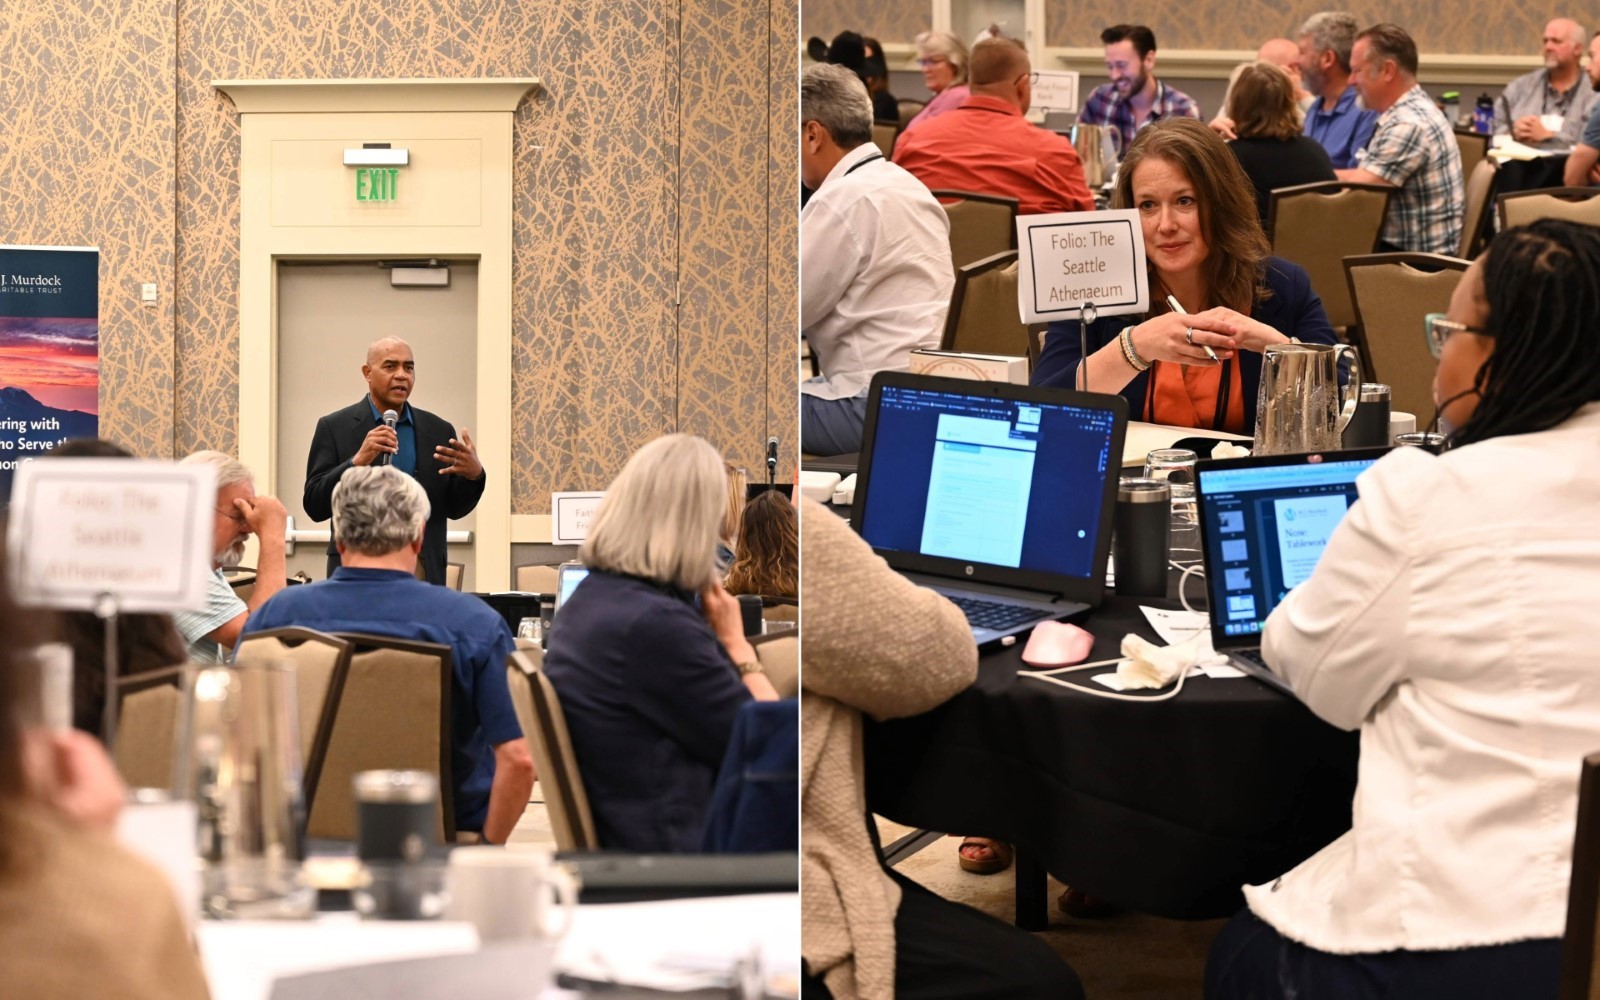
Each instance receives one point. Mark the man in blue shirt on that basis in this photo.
(1334, 120)
(378, 518)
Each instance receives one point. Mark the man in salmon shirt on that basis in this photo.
(987, 146)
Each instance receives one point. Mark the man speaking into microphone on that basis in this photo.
(385, 429)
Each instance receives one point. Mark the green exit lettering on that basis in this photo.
(376, 183)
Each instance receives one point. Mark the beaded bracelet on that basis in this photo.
(1130, 355)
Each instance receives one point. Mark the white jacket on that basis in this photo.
(1453, 618)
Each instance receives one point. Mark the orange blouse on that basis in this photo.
(1186, 396)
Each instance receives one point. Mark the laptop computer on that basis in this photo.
(1264, 522)
(998, 496)
(568, 576)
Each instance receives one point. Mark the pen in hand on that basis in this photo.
(1173, 302)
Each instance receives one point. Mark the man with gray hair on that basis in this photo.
(379, 515)
(875, 276)
(238, 514)
(1547, 108)
(1335, 120)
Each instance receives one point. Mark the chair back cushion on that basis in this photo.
(147, 726)
(1317, 226)
(780, 661)
(979, 227)
(1393, 298)
(1523, 210)
(1480, 188)
(545, 725)
(537, 579)
(984, 316)
(884, 135)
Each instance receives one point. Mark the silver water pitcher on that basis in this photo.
(1097, 146)
(1300, 407)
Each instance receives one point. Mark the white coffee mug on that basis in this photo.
(510, 893)
(1401, 422)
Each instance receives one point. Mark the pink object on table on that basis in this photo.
(1057, 644)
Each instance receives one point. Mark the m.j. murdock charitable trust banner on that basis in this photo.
(49, 351)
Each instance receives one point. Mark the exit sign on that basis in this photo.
(376, 183)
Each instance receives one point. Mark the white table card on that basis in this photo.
(571, 514)
(1055, 90)
(1068, 259)
(140, 531)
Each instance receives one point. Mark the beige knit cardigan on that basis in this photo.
(873, 642)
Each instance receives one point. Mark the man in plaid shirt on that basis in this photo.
(1134, 97)
(1412, 150)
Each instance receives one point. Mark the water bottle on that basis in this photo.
(1450, 104)
(1483, 115)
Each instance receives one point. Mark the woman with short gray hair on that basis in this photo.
(649, 654)
(943, 60)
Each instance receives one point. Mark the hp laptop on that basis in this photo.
(998, 496)
(1263, 524)
(568, 576)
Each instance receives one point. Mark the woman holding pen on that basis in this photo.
(1217, 295)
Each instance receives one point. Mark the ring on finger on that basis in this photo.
(1188, 336)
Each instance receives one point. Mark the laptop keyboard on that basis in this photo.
(1253, 655)
(994, 615)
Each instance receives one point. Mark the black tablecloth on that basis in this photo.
(1166, 808)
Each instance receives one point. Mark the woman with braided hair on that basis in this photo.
(1450, 620)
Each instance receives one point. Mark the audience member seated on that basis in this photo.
(944, 71)
(1474, 714)
(1413, 148)
(769, 548)
(649, 682)
(1559, 90)
(878, 278)
(1205, 248)
(1335, 119)
(866, 931)
(986, 145)
(379, 514)
(850, 50)
(1581, 167)
(238, 514)
(79, 915)
(733, 516)
(1270, 146)
(144, 641)
(1134, 98)
(1281, 53)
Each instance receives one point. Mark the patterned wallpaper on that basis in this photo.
(1483, 27)
(86, 147)
(651, 149)
(889, 21)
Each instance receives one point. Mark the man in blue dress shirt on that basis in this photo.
(1334, 121)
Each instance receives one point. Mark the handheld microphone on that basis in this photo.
(390, 419)
(772, 461)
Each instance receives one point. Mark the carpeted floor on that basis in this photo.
(1125, 957)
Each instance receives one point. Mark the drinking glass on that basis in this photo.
(1175, 466)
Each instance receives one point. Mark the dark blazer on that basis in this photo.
(338, 437)
(1292, 309)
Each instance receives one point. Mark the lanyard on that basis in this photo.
(858, 166)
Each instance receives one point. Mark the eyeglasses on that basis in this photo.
(234, 516)
(1437, 329)
(932, 61)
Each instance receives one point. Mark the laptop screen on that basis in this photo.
(568, 576)
(1264, 526)
(988, 477)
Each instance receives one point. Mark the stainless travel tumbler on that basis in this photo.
(1143, 536)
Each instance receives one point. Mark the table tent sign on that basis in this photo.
(1069, 260)
(570, 516)
(1055, 90)
(49, 351)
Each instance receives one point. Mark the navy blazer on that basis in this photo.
(1292, 309)
(650, 698)
(335, 442)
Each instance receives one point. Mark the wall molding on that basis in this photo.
(347, 96)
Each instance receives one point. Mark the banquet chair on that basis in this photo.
(148, 707)
(780, 609)
(1480, 192)
(981, 225)
(1518, 208)
(1580, 959)
(321, 664)
(982, 318)
(909, 109)
(1392, 293)
(1318, 225)
(393, 714)
(779, 654)
(537, 579)
(545, 725)
(884, 135)
(453, 572)
(1474, 148)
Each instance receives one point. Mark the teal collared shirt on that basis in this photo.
(406, 430)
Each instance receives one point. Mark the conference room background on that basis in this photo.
(655, 221)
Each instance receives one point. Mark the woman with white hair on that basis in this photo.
(944, 71)
(649, 654)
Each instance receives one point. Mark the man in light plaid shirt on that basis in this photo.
(1134, 97)
(1412, 150)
